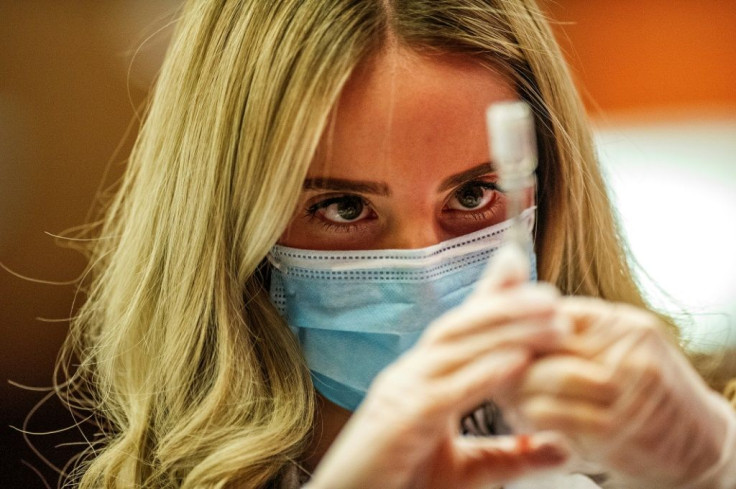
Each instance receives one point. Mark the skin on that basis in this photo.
(405, 124)
(411, 130)
(403, 164)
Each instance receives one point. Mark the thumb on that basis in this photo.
(509, 267)
(501, 458)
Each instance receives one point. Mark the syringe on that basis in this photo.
(514, 153)
(513, 148)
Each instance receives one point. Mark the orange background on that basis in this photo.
(67, 97)
(651, 55)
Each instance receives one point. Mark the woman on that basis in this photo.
(366, 117)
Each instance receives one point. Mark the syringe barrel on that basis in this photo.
(513, 150)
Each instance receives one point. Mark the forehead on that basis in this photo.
(401, 110)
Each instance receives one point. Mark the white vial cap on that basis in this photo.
(511, 137)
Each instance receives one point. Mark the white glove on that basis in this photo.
(554, 481)
(406, 432)
(630, 401)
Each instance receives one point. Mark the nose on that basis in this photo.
(412, 234)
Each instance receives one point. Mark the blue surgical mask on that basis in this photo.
(355, 312)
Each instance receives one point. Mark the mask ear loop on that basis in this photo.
(275, 262)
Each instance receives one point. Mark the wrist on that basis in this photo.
(721, 474)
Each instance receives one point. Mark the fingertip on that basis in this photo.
(547, 453)
(515, 359)
(508, 457)
(542, 295)
(582, 313)
(548, 288)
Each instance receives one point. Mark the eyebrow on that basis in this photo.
(381, 188)
(466, 176)
(343, 185)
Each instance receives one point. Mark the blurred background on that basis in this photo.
(657, 77)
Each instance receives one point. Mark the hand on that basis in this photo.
(406, 432)
(628, 399)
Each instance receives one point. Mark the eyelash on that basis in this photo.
(311, 213)
(484, 213)
(486, 210)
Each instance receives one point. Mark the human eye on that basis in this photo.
(472, 196)
(340, 210)
(480, 202)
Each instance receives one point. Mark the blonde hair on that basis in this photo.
(196, 379)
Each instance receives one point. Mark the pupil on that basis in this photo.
(470, 196)
(349, 208)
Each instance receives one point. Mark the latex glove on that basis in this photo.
(554, 481)
(406, 432)
(630, 401)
